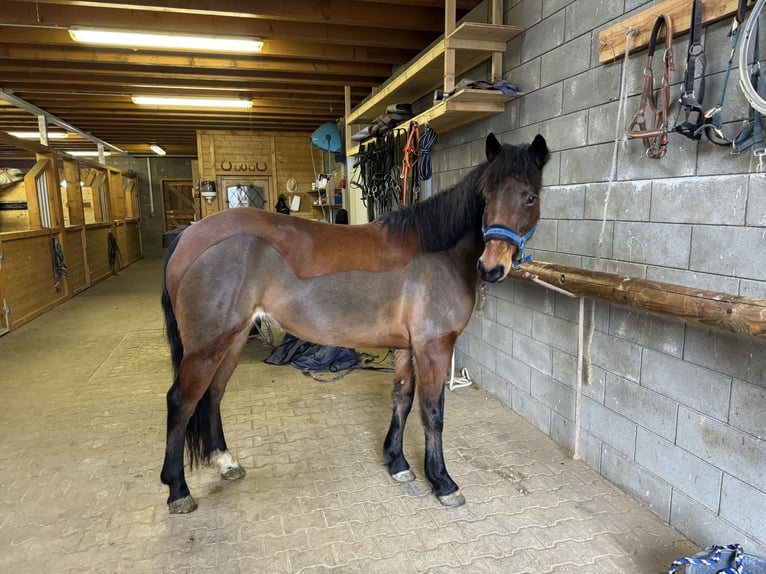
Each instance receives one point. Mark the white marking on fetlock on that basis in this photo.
(227, 465)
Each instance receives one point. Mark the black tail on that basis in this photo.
(198, 435)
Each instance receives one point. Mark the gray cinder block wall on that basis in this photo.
(675, 413)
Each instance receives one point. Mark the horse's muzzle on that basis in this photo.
(497, 273)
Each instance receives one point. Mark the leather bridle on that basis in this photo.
(655, 139)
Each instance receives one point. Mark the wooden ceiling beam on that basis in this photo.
(330, 12)
(272, 49)
(101, 58)
(22, 13)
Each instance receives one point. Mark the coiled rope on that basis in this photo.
(428, 139)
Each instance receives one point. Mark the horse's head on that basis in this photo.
(511, 187)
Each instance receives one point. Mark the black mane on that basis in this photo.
(446, 217)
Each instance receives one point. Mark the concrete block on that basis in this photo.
(634, 164)
(628, 201)
(534, 296)
(756, 201)
(562, 431)
(560, 398)
(564, 202)
(535, 354)
(609, 426)
(585, 15)
(484, 353)
(544, 105)
(686, 472)
(586, 164)
(641, 405)
(735, 251)
(704, 527)
(526, 76)
(650, 490)
(514, 316)
(753, 289)
(616, 267)
(532, 410)
(545, 235)
(743, 505)
(747, 412)
(543, 37)
(736, 453)
(660, 333)
(524, 14)
(601, 124)
(616, 356)
(567, 60)
(687, 383)
(740, 357)
(564, 368)
(694, 279)
(589, 449)
(581, 237)
(497, 335)
(497, 387)
(665, 244)
(711, 200)
(568, 131)
(556, 332)
(502, 290)
(594, 87)
(559, 258)
(514, 371)
(567, 308)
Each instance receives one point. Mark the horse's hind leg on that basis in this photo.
(227, 465)
(404, 390)
(194, 378)
(432, 362)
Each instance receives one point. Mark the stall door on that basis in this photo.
(177, 203)
(3, 304)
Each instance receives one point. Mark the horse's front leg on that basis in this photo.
(403, 393)
(432, 362)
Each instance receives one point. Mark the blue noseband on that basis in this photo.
(503, 233)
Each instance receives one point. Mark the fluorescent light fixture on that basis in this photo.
(192, 102)
(171, 41)
(77, 153)
(36, 135)
(157, 149)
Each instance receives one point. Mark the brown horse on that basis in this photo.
(406, 281)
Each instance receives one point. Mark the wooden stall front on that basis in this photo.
(64, 225)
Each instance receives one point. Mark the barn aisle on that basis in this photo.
(82, 437)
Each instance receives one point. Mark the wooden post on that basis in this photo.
(450, 17)
(741, 315)
(73, 192)
(497, 57)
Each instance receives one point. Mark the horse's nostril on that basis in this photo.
(491, 275)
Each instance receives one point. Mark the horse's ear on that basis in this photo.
(538, 149)
(493, 147)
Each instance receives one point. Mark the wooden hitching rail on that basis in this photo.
(741, 315)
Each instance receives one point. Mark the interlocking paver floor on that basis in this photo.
(82, 437)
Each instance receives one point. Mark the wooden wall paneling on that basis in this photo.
(98, 252)
(134, 249)
(74, 250)
(121, 236)
(55, 205)
(30, 285)
(16, 219)
(33, 203)
(116, 194)
(4, 326)
(74, 204)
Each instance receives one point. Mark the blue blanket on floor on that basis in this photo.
(307, 356)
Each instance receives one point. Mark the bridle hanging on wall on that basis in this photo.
(693, 91)
(655, 139)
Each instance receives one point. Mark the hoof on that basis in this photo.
(183, 505)
(404, 476)
(453, 499)
(233, 473)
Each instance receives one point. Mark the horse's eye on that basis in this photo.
(531, 199)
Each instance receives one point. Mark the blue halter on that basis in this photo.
(503, 233)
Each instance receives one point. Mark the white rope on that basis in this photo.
(585, 340)
(458, 382)
(750, 91)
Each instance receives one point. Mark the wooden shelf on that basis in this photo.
(473, 42)
(463, 107)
